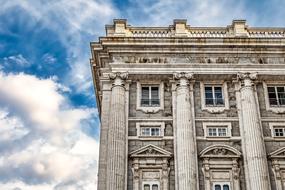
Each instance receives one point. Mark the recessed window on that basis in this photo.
(150, 96)
(276, 95)
(279, 131)
(217, 131)
(150, 186)
(214, 95)
(221, 187)
(150, 131)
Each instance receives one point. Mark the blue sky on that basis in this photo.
(49, 126)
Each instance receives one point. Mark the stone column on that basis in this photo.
(185, 138)
(116, 153)
(257, 176)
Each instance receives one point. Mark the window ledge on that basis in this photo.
(276, 109)
(215, 109)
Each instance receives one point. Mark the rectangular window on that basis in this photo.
(221, 187)
(150, 96)
(150, 131)
(217, 131)
(276, 95)
(214, 95)
(279, 131)
(151, 186)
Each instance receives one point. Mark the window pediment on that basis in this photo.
(280, 153)
(150, 151)
(217, 151)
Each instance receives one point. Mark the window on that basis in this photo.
(221, 186)
(277, 129)
(276, 95)
(150, 96)
(150, 131)
(217, 131)
(150, 186)
(214, 95)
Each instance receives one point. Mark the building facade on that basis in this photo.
(190, 108)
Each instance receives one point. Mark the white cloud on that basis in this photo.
(19, 60)
(42, 145)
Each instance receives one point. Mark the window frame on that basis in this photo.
(150, 94)
(214, 108)
(140, 125)
(273, 126)
(151, 183)
(221, 184)
(272, 108)
(213, 98)
(150, 109)
(217, 125)
(276, 95)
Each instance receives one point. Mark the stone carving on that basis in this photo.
(123, 76)
(219, 151)
(251, 76)
(184, 75)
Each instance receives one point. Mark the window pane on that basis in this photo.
(272, 96)
(155, 131)
(279, 132)
(209, 95)
(281, 95)
(218, 187)
(154, 187)
(146, 187)
(222, 131)
(145, 92)
(226, 187)
(145, 96)
(219, 96)
(145, 131)
(154, 96)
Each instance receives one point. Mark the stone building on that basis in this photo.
(188, 108)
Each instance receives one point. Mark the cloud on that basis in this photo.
(18, 60)
(42, 142)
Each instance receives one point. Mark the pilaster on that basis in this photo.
(257, 176)
(186, 156)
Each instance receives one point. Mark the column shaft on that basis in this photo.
(116, 160)
(254, 149)
(186, 153)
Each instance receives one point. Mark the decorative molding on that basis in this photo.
(219, 150)
(215, 109)
(247, 78)
(274, 109)
(150, 151)
(278, 154)
(118, 78)
(161, 97)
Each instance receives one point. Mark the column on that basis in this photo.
(257, 176)
(185, 138)
(116, 153)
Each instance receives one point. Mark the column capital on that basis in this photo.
(118, 78)
(181, 75)
(247, 78)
